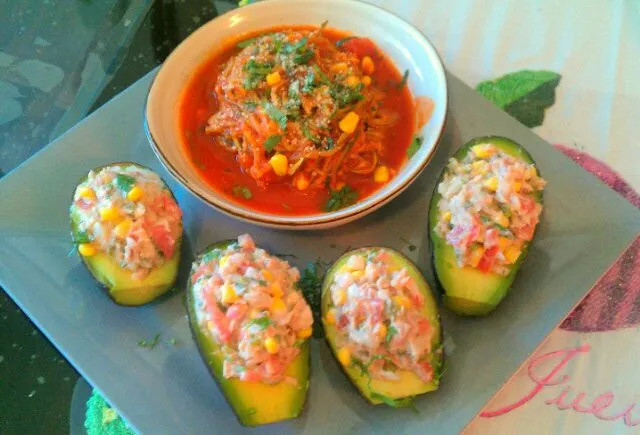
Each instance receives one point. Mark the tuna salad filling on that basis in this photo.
(488, 209)
(249, 303)
(377, 309)
(128, 213)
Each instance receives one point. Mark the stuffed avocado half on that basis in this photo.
(382, 325)
(482, 218)
(127, 228)
(251, 326)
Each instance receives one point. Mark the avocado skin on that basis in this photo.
(160, 281)
(267, 403)
(446, 271)
(405, 389)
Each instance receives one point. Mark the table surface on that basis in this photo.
(61, 59)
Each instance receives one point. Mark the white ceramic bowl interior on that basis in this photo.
(406, 46)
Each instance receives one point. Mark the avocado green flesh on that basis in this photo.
(409, 384)
(254, 403)
(468, 291)
(118, 282)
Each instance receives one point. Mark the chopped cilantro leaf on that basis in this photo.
(346, 95)
(82, 237)
(363, 368)
(150, 344)
(246, 42)
(406, 402)
(124, 182)
(211, 255)
(307, 133)
(271, 142)
(414, 146)
(260, 322)
(250, 105)
(341, 198)
(391, 332)
(403, 82)
(256, 72)
(309, 82)
(340, 42)
(276, 114)
(241, 192)
(321, 75)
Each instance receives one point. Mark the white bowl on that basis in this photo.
(405, 45)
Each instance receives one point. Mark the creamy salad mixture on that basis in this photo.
(377, 309)
(128, 213)
(249, 303)
(488, 210)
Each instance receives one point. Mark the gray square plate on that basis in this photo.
(168, 390)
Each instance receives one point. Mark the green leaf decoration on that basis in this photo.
(525, 94)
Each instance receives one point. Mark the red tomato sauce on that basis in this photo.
(219, 167)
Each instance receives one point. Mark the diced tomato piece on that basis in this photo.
(487, 259)
(360, 47)
(83, 203)
(163, 239)
(527, 204)
(342, 322)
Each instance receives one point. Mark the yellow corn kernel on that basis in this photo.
(402, 300)
(109, 213)
(341, 297)
(135, 193)
(502, 220)
(228, 294)
(267, 275)
(87, 249)
(503, 242)
(366, 81)
(305, 333)
(223, 260)
(381, 330)
(381, 174)
(272, 345)
(491, 184)
(86, 193)
(446, 216)
(367, 65)
(476, 256)
(483, 151)
(357, 274)
(530, 172)
(349, 123)
(273, 78)
(277, 305)
(301, 182)
(480, 166)
(280, 164)
(353, 81)
(122, 229)
(276, 290)
(511, 254)
(339, 67)
(344, 356)
(330, 318)
(517, 186)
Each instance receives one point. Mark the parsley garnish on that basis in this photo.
(363, 368)
(406, 402)
(241, 192)
(341, 198)
(246, 42)
(307, 133)
(124, 182)
(256, 72)
(301, 53)
(321, 75)
(276, 114)
(340, 42)
(346, 95)
(403, 82)
(150, 344)
(309, 82)
(82, 237)
(271, 142)
(261, 322)
(250, 105)
(414, 146)
(211, 255)
(391, 332)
